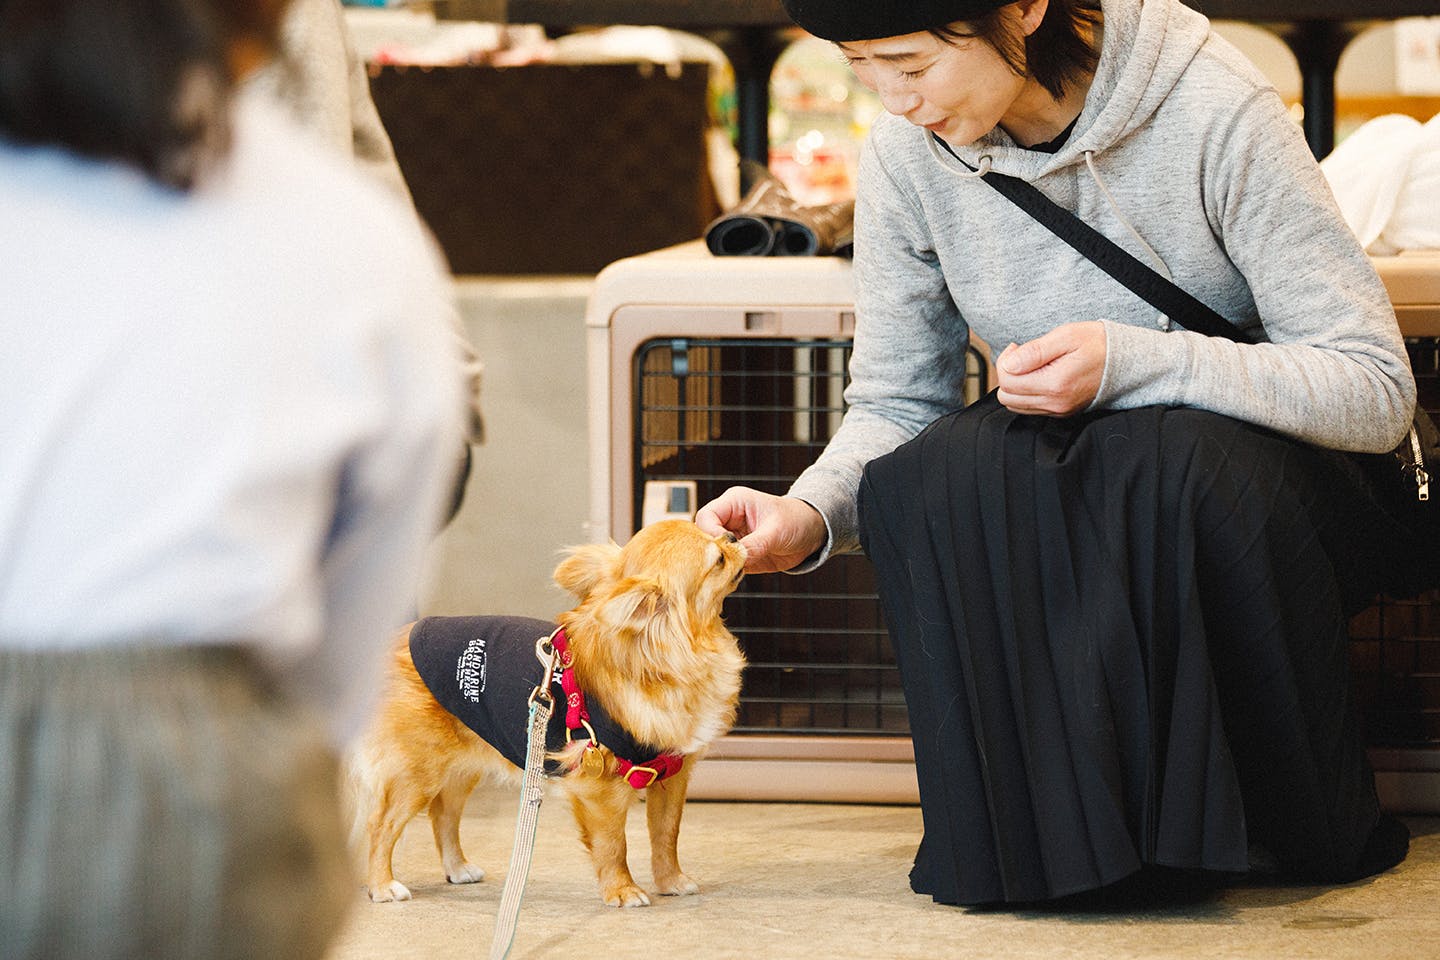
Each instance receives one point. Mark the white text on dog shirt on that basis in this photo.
(470, 670)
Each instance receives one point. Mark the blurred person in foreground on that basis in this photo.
(229, 435)
(323, 82)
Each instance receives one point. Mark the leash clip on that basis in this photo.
(548, 656)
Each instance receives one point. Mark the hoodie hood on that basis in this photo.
(1145, 48)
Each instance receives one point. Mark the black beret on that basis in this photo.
(842, 20)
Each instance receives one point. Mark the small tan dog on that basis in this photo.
(657, 677)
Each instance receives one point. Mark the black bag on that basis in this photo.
(1408, 489)
(1400, 477)
(769, 221)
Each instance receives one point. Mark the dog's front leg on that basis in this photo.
(600, 804)
(664, 803)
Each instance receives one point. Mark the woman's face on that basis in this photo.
(960, 90)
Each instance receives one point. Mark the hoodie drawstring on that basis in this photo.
(1115, 209)
(965, 172)
(1162, 321)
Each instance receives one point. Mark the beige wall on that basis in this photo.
(529, 486)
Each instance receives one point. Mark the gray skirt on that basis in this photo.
(164, 803)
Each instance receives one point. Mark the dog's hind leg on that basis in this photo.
(445, 812)
(600, 805)
(397, 806)
(664, 803)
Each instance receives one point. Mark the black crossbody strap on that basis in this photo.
(1144, 281)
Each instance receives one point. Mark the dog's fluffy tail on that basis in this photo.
(361, 793)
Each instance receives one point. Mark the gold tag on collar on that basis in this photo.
(592, 762)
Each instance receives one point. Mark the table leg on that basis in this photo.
(752, 52)
(1317, 45)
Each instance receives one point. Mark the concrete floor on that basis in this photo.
(829, 881)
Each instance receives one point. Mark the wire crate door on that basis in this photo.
(756, 412)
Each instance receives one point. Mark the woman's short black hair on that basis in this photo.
(1060, 52)
(143, 82)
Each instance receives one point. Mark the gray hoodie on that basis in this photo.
(1181, 142)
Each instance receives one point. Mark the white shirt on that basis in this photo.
(222, 415)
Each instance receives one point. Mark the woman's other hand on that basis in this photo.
(776, 532)
(1057, 374)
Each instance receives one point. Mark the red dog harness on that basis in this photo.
(577, 719)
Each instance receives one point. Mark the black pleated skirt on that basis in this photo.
(1122, 639)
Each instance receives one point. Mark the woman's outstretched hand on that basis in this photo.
(776, 532)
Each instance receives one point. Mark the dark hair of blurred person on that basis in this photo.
(141, 81)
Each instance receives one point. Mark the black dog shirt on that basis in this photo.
(483, 670)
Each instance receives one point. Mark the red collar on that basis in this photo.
(577, 719)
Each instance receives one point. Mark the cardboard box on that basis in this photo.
(551, 168)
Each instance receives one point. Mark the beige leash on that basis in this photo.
(532, 791)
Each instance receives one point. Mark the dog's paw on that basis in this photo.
(468, 873)
(678, 885)
(385, 893)
(625, 895)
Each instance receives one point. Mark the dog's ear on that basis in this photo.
(634, 603)
(641, 609)
(586, 565)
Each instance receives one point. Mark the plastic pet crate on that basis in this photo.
(707, 372)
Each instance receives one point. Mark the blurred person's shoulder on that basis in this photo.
(318, 201)
(303, 224)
